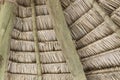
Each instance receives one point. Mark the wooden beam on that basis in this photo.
(6, 25)
(64, 37)
(35, 35)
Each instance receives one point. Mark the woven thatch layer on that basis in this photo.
(24, 12)
(25, 24)
(86, 23)
(31, 68)
(28, 46)
(96, 41)
(99, 32)
(28, 36)
(106, 74)
(45, 77)
(29, 57)
(112, 8)
(109, 5)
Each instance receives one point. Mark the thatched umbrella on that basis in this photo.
(94, 27)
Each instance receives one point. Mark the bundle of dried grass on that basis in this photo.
(99, 32)
(95, 39)
(76, 10)
(109, 5)
(29, 57)
(116, 16)
(108, 43)
(85, 24)
(28, 36)
(57, 77)
(31, 68)
(24, 12)
(19, 45)
(27, 3)
(105, 74)
(66, 3)
(21, 77)
(104, 60)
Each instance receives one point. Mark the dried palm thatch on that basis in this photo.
(97, 42)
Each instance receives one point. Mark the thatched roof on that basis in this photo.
(96, 40)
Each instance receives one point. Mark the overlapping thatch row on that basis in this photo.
(106, 74)
(44, 77)
(42, 35)
(100, 32)
(21, 77)
(108, 43)
(25, 24)
(95, 39)
(86, 23)
(22, 64)
(112, 8)
(20, 45)
(76, 10)
(27, 3)
(24, 12)
(46, 57)
(31, 68)
(109, 5)
(103, 60)
(66, 3)
(116, 16)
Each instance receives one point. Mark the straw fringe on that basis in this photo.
(95, 40)
(109, 5)
(21, 77)
(24, 12)
(28, 36)
(116, 17)
(104, 60)
(76, 10)
(107, 74)
(103, 30)
(43, 23)
(26, 3)
(19, 45)
(31, 68)
(66, 3)
(85, 24)
(29, 57)
(110, 42)
(45, 77)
